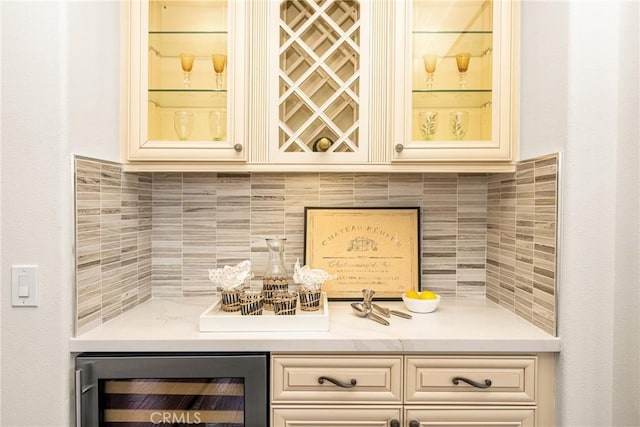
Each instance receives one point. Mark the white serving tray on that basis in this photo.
(214, 319)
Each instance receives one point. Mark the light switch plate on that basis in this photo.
(24, 285)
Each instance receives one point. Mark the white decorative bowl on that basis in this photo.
(421, 305)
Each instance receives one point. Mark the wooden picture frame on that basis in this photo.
(374, 248)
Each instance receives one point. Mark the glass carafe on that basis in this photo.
(275, 278)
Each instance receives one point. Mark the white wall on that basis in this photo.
(580, 97)
(59, 72)
(1, 276)
(59, 96)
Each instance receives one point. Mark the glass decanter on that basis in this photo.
(275, 278)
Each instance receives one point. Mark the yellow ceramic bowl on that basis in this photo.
(421, 305)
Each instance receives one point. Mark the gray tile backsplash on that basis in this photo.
(112, 241)
(521, 240)
(143, 235)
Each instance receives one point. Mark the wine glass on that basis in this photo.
(183, 124)
(430, 68)
(428, 124)
(186, 61)
(462, 61)
(459, 123)
(218, 124)
(219, 63)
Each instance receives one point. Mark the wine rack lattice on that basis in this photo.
(319, 74)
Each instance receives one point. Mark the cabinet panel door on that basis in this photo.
(183, 95)
(471, 417)
(328, 416)
(456, 88)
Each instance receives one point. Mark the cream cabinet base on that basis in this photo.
(412, 390)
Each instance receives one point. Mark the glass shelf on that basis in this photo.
(451, 99)
(175, 98)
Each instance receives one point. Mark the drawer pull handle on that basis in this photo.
(394, 423)
(414, 423)
(456, 381)
(337, 382)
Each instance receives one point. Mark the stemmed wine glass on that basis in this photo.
(430, 68)
(462, 61)
(459, 123)
(186, 61)
(219, 63)
(428, 124)
(183, 124)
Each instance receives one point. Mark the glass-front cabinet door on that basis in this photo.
(455, 100)
(183, 80)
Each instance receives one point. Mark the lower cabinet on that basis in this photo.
(412, 390)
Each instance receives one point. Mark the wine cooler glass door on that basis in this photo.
(227, 390)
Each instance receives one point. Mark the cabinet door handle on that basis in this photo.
(399, 148)
(394, 423)
(237, 147)
(339, 383)
(414, 423)
(486, 384)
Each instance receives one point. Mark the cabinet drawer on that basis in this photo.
(308, 379)
(335, 416)
(433, 379)
(471, 416)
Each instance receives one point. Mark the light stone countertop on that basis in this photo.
(458, 325)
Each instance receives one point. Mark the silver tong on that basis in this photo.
(386, 312)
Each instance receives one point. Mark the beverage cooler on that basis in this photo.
(172, 389)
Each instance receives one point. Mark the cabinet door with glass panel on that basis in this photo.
(455, 100)
(183, 80)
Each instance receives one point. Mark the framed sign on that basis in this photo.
(367, 248)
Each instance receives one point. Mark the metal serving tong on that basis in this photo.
(386, 312)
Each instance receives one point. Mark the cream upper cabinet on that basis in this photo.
(183, 80)
(299, 85)
(455, 81)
